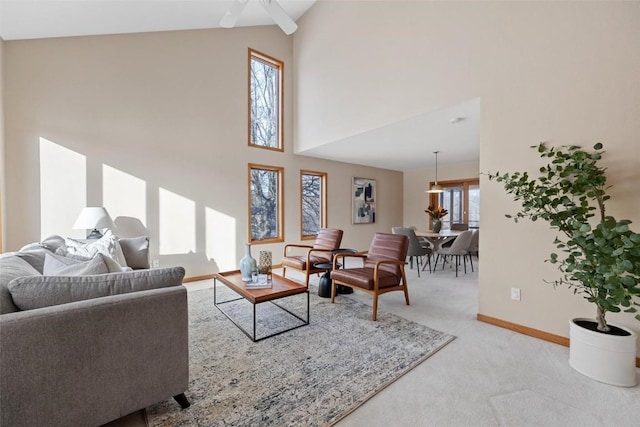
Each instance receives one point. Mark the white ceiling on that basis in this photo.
(405, 145)
(410, 144)
(30, 19)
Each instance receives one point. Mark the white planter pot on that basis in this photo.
(606, 358)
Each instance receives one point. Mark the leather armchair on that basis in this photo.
(328, 239)
(382, 269)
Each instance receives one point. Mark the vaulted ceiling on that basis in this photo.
(404, 145)
(29, 19)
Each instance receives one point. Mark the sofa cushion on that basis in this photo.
(56, 265)
(34, 256)
(51, 243)
(35, 292)
(12, 267)
(107, 245)
(136, 251)
(111, 264)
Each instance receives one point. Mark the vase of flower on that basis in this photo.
(247, 264)
(436, 214)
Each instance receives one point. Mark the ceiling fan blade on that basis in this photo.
(231, 16)
(279, 16)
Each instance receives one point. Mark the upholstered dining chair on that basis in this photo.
(459, 226)
(457, 249)
(303, 257)
(382, 269)
(474, 244)
(423, 240)
(416, 249)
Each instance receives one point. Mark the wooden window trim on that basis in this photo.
(280, 65)
(280, 171)
(323, 200)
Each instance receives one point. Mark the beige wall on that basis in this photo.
(154, 127)
(563, 72)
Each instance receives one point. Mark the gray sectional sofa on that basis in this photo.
(88, 349)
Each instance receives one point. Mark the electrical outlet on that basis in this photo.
(515, 294)
(155, 263)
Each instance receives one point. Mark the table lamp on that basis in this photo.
(93, 218)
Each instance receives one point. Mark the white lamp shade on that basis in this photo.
(93, 218)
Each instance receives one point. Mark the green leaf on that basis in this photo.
(626, 265)
(622, 228)
(627, 281)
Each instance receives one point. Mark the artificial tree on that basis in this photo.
(601, 257)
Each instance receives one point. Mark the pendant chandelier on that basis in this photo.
(435, 188)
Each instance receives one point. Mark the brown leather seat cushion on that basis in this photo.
(300, 262)
(363, 277)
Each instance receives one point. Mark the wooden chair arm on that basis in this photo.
(293, 245)
(345, 255)
(391, 261)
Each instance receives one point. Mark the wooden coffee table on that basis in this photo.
(281, 288)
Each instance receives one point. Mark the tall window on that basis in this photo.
(265, 203)
(313, 203)
(462, 199)
(265, 101)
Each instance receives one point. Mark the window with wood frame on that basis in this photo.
(265, 101)
(462, 199)
(266, 204)
(313, 203)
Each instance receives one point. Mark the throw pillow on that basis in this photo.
(107, 245)
(55, 265)
(35, 257)
(51, 243)
(136, 251)
(46, 291)
(111, 264)
(12, 267)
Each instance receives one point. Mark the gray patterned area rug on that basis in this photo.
(311, 376)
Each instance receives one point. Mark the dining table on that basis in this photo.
(437, 239)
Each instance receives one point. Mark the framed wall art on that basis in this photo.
(363, 193)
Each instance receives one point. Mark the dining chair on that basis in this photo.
(460, 226)
(474, 243)
(416, 250)
(382, 269)
(458, 249)
(423, 240)
(327, 240)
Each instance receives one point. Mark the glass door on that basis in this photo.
(473, 213)
(452, 200)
